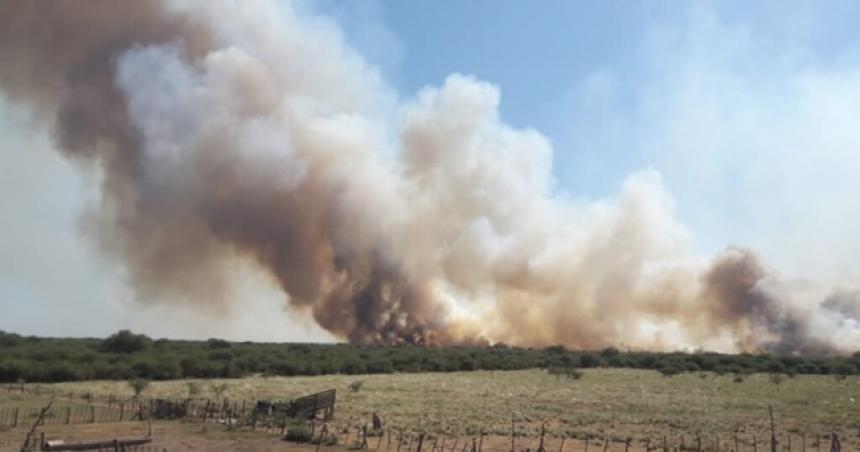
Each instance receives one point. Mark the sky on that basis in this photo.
(747, 111)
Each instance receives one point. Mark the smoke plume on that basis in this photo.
(225, 130)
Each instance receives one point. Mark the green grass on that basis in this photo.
(603, 401)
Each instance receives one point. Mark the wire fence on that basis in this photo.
(244, 414)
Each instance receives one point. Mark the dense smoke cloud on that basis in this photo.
(227, 130)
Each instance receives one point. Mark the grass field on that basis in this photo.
(615, 402)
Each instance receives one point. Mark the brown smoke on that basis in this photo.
(246, 130)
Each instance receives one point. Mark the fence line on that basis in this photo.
(105, 408)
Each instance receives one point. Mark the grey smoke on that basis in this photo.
(238, 130)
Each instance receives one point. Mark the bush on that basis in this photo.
(10, 373)
(217, 343)
(299, 433)
(219, 389)
(776, 379)
(356, 385)
(589, 360)
(568, 372)
(125, 355)
(125, 341)
(9, 340)
(61, 372)
(556, 349)
(609, 352)
(669, 369)
(138, 385)
(194, 389)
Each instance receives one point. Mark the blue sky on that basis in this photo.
(621, 86)
(748, 111)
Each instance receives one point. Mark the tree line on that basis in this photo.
(126, 355)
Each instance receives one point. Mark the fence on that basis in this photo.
(398, 441)
(79, 414)
(90, 408)
(244, 414)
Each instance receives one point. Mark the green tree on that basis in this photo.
(138, 385)
(124, 341)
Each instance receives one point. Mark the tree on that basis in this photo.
(776, 379)
(219, 389)
(217, 343)
(193, 389)
(124, 341)
(138, 385)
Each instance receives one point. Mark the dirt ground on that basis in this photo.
(178, 436)
(169, 436)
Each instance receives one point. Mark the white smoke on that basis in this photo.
(428, 220)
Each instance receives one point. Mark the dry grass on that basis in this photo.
(603, 401)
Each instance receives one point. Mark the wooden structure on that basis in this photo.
(308, 406)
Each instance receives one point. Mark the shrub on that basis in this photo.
(219, 389)
(568, 372)
(125, 341)
(61, 372)
(194, 389)
(217, 343)
(356, 385)
(669, 369)
(9, 372)
(299, 433)
(776, 379)
(138, 385)
(609, 352)
(9, 340)
(589, 360)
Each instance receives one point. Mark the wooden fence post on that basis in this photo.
(586, 444)
(542, 432)
(363, 444)
(68, 414)
(606, 444)
(15, 419)
(835, 445)
(92, 414)
(561, 446)
(772, 430)
(512, 435)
